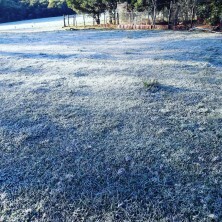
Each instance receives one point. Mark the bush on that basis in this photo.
(151, 84)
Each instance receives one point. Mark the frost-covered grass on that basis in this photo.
(82, 139)
(46, 24)
(33, 25)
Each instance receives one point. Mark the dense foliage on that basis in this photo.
(209, 11)
(11, 10)
(94, 7)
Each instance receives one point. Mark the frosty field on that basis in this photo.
(83, 137)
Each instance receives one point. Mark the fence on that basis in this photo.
(129, 18)
(85, 20)
(123, 20)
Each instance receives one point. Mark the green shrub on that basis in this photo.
(151, 84)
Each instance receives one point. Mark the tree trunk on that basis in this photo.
(110, 16)
(98, 19)
(114, 17)
(192, 13)
(84, 20)
(117, 18)
(64, 20)
(148, 15)
(169, 14)
(132, 17)
(176, 15)
(154, 2)
(154, 16)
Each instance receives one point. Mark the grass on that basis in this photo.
(82, 139)
(89, 27)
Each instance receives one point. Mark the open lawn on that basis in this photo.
(110, 126)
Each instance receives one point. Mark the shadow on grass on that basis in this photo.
(82, 163)
(68, 173)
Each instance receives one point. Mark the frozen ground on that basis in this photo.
(44, 24)
(33, 25)
(83, 139)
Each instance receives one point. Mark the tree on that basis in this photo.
(56, 3)
(92, 7)
(210, 11)
(9, 9)
(12, 10)
(152, 6)
(111, 6)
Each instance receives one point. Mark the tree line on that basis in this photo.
(13, 10)
(209, 11)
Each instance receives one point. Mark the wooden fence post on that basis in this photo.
(169, 14)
